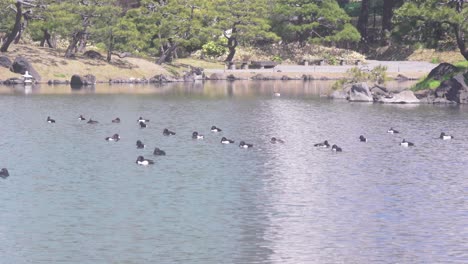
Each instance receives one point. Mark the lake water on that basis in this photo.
(73, 197)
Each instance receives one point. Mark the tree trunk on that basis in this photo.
(110, 48)
(362, 24)
(232, 44)
(460, 35)
(16, 28)
(71, 49)
(83, 42)
(166, 56)
(387, 15)
(46, 39)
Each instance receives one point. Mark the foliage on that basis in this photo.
(215, 48)
(377, 74)
(432, 22)
(462, 65)
(313, 21)
(243, 21)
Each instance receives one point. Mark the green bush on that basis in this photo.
(214, 49)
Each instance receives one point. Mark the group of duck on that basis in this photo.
(403, 143)
(142, 122)
(196, 136)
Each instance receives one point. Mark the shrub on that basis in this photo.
(214, 49)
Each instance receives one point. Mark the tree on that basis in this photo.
(243, 21)
(362, 24)
(167, 26)
(313, 21)
(415, 15)
(19, 25)
(75, 20)
(387, 15)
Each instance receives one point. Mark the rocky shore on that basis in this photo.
(451, 91)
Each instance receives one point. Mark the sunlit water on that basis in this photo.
(72, 197)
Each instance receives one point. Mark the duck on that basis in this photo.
(4, 173)
(142, 124)
(226, 141)
(393, 131)
(215, 129)
(195, 135)
(242, 144)
(335, 148)
(115, 138)
(167, 132)
(142, 161)
(443, 136)
(274, 140)
(81, 118)
(90, 121)
(323, 144)
(116, 120)
(50, 120)
(405, 143)
(362, 138)
(140, 144)
(159, 152)
(141, 119)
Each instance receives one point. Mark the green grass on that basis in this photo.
(200, 63)
(463, 65)
(432, 84)
(60, 75)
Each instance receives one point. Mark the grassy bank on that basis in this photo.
(52, 65)
(431, 83)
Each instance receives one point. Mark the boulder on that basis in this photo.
(161, 78)
(360, 92)
(262, 77)
(93, 55)
(57, 82)
(405, 97)
(441, 70)
(423, 93)
(339, 94)
(216, 76)
(13, 81)
(21, 65)
(454, 89)
(5, 62)
(78, 80)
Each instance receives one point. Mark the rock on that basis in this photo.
(405, 97)
(401, 78)
(77, 80)
(57, 82)
(93, 55)
(360, 93)
(441, 70)
(378, 90)
(423, 93)
(441, 101)
(13, 81)
(21, 65)
(454, 89)
(231, 77)
(262, 77)
(5, 62)
(308, 77)
(217, 76)
(161, 78)
(339, 94)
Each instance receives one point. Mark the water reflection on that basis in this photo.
(208, 89)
